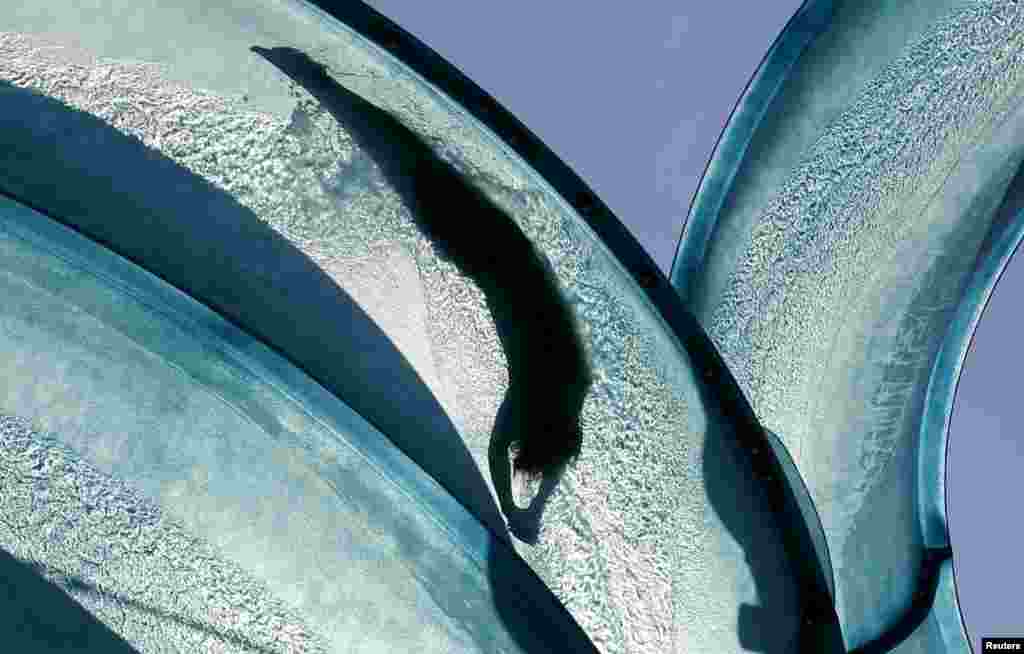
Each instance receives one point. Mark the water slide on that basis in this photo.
(246, 401)
(858, 210)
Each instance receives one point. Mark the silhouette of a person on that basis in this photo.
(549, 372)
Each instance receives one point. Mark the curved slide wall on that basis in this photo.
(839, 252)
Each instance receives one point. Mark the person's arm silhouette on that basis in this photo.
(523, 523)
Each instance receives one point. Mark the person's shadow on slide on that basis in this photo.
(549, 373)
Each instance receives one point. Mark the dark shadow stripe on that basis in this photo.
(38, 616)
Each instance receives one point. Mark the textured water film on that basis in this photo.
(829, 300)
